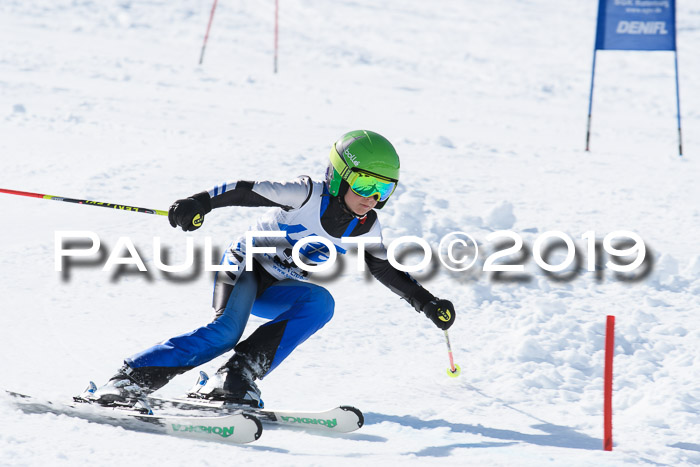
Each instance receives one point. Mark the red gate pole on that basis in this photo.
(608, 383)
(206, 36)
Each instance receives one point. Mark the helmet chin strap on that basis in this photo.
(344, 187)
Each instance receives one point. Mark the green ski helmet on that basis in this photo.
(367, 163)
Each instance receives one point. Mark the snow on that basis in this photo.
(486, 103)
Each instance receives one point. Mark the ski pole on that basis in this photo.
(103, 204)
(454, 370)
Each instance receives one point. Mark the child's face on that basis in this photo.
(358, 204)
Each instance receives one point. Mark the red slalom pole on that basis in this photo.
(206, 36)
(276, 31)
(608, 383)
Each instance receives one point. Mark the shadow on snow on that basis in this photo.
(555, 435)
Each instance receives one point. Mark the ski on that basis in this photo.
(231, 428)
(342, 419)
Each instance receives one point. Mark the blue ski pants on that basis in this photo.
(296, 310)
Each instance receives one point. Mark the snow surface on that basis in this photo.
(486, 103)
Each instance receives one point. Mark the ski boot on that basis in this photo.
(232, 384)
(123, 390)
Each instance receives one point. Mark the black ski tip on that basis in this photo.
(360, 417)
(257, 422)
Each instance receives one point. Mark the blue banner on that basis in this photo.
(636, 25)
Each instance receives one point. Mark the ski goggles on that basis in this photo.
(367, 185)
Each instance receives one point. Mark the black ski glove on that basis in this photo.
(189, 213)
(440, 312)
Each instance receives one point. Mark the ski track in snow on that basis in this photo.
(486, 103)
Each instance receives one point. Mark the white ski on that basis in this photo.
(342, 419)
(232, 428)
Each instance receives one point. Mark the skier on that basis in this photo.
(362, 174)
